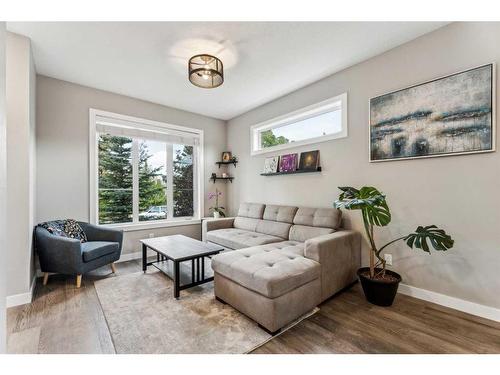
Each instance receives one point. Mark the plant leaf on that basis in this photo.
(369, 200)
(438, 239)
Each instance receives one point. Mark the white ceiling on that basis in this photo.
(262, 61)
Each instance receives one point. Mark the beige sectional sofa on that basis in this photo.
(286, 260)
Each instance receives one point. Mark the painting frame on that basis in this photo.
(286, 159)
(302, 161)
(268, 167)
(493, 116)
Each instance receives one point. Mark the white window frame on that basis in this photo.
(198, 173)
(325, 106)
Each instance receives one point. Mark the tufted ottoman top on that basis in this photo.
(271, 270)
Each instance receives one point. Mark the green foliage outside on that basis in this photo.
(269, 139)
(115, 181)
(152, 183)
(183, 182)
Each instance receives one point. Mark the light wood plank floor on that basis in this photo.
(63, 319)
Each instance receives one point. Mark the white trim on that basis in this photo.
(473, 308)
(22, 298)
(93, 169)
(339, 101)
(493, 117)
(129, 256)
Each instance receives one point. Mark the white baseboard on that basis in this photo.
(132, 256)
(452, 302)
(22, 298)
(129, 256)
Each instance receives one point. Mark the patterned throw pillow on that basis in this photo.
(65, 228)
(55, 227)
(74, 230)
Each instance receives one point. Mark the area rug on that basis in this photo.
(144, 317)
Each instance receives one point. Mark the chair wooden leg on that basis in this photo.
(78, 280)
(45, 278)
(113, 269)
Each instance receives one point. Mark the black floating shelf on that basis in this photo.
(219, 163)
(222, 178)
(292, 172)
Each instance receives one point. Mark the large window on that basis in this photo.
(144, 172)
(317, 123)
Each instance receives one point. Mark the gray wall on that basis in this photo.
(458, 193)
(63, 130)
(3, 193)
(20, 94)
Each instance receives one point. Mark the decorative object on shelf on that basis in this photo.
(288, 163)
(446, 116)
(227, 157)
(217, 210)
(309, 160)
(224, 175)
(214, 175)
(206, 71)
(271, 164)
(380, 285)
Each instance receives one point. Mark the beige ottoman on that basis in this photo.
(272, 284)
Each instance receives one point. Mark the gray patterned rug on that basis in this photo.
(144, 317)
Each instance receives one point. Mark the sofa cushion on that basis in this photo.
(284, 214)
(253, 210)
(245, 223)
(271, 270)
(318, 217)
(302, 233)
(273, 228)
(95, 249)
(238, 238)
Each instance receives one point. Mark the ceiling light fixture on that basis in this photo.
(206, 71)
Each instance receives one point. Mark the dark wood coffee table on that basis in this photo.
(179, 248)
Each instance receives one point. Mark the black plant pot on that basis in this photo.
(379, 292)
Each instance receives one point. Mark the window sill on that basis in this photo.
(149, 225)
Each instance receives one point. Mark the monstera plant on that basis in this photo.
(379, 284)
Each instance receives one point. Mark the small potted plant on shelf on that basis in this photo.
(218, 211)
(379, 284)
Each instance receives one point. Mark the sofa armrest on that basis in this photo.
(214, 224)
(339, 254)
(58, 254)
(100, 233)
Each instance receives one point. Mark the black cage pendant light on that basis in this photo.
(206, 71)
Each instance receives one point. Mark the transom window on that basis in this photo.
(316, 123)
(144, 172)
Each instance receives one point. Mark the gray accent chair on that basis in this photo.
(281, 261)
(71, 257)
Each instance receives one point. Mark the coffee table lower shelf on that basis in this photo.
(197, 269)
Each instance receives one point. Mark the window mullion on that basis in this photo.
(196, 199)
(135, 181)
(170, 182)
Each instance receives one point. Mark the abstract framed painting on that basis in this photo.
(451, 115)
(288, 163)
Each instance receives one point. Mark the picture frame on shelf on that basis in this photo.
(271, 164)
(288, 163)
(309, 160)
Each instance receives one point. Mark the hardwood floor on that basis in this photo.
(64, 319)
